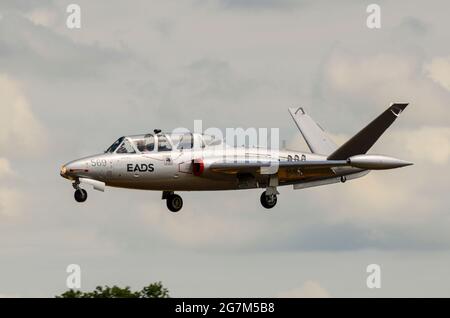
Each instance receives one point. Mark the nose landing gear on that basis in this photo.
(80, 194)
(268, 200)
(174, 201)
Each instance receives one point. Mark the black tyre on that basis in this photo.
(174, 202)
(80, 195)
(268, 201)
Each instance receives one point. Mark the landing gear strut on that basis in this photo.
(174, 201)
(268, 200)
(80, 194)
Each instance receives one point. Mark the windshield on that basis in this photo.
(114, 146)
(126, 147)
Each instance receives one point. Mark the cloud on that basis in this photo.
(43, 17)
(261, 4)
(207, 83)
(24, 5)
(21, 134)
(5, 168)
(439, 71)
(20, 131)
(38, 51)
(10, 202)
(353, 83)
(215, 78)
(310, 289)
(200, 228)
(413, 26)
(427, 144)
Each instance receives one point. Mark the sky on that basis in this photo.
(138, 65)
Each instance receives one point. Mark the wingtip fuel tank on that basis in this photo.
(376, 162)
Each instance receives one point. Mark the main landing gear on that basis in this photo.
(268, 200)
(174, 201)
(80, 194)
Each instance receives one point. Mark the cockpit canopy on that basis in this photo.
(161, 142)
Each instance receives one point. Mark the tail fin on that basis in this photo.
(316, 139)
(364, 140)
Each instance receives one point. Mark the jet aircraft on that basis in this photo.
(170, 162)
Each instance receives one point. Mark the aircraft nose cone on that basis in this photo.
(72, 169)
(63, 171)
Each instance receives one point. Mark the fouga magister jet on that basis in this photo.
(199, 162)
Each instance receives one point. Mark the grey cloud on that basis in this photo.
(213, 78)
(262, 4)
(24, 5)
(413, 26)
(36, 51)
(206, 83)
(349, 84)
(354, 237)
(164, 26)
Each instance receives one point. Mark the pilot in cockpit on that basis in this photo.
(140, 144)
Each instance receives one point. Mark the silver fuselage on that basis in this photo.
(173, 170)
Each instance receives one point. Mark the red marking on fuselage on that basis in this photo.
(198, 167)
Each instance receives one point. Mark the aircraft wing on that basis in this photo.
(265, 167)
(313, 173)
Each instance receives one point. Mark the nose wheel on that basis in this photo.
(80, 195)
(268, 200)
(174, 201)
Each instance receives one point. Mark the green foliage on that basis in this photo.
(154, 290)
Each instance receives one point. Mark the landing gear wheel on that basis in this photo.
(268, 201)
(80, 195)
(174, 202)
(343, 179)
